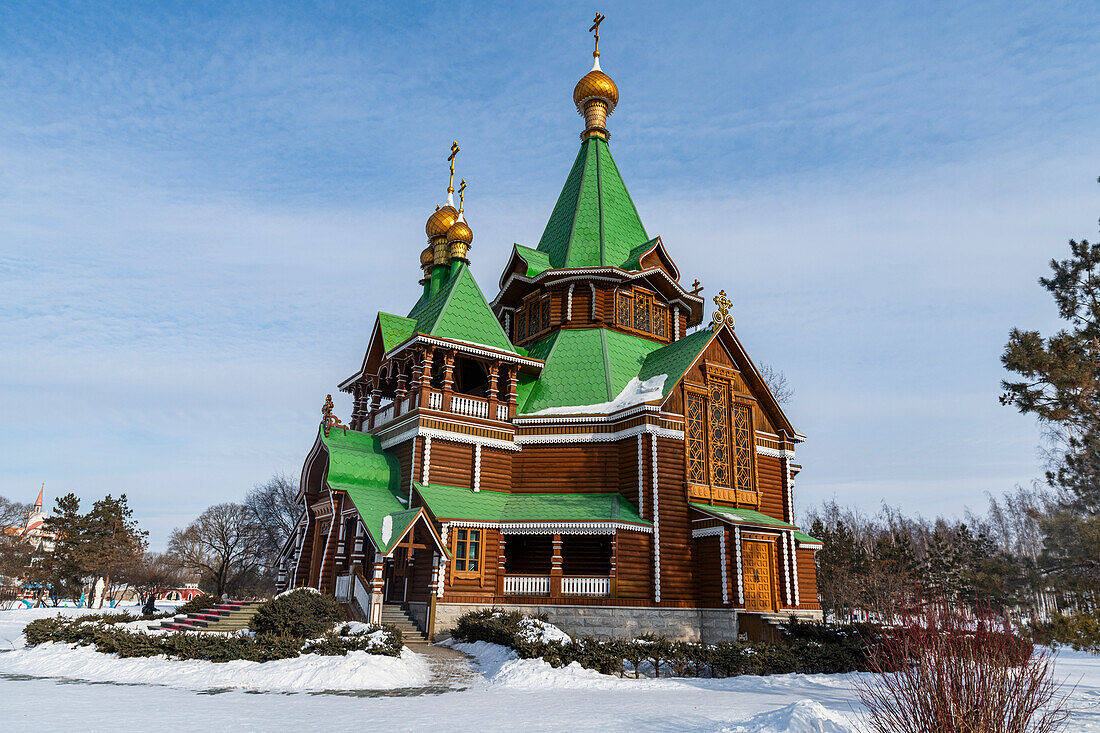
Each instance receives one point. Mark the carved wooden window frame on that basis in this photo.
(535, 311)
(628, 315)
(724, 384)
(463, 536)
(696, 488)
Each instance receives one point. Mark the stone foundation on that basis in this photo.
(604, 622)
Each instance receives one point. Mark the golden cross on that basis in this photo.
(596, 27)
(461, 195)
(451, 158)
(722, 314)
(696, 287)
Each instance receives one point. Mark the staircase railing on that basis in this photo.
(343, 588)
(360, 593)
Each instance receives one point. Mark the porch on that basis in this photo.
(558, 565)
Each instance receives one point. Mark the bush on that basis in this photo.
(199, 603)
(301, 614)
(1080, 631)
(803, 647)
(213, 647)
(946, 671)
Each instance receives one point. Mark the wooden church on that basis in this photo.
(581, 445)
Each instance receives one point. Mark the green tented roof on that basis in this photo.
(806, 539)
(372, 479)
(460, 312)
(537, 262)
(591, 366)
(594, 222)
(451, 502)
(396, 330)
(747, 516)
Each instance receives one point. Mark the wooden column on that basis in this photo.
(399, 393)
(493, 391)
(375, 401)
(448, 379)
(501, 565)
(614, 565)
(376, 591)
(425, 385)
(513, 381)
(414, 384)
(556, 568)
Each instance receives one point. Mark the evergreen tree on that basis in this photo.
(111, 540)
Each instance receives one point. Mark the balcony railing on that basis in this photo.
(527, 585)
(586, 586)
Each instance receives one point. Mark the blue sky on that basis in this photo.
(203, 205)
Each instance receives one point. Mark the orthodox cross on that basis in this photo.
(596, 28)
(328, 420)
(721, 316)
(461, 195)
(451, 158)
(696, 288)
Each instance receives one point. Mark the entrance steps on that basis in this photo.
(227, 617)
(394, 615)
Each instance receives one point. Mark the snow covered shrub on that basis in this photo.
(943, 671)
(200, 602)
(301, 614)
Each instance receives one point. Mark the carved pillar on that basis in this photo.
(493, 390)
(376, 591)
(513, 382)
(614, 564)
(556, 568)
(414, 383)
(502, 566)
(399, 393)
(425, 385)
(375, 400)
(448, 379)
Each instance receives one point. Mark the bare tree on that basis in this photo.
(152, 573)
(15, 549)
(273, 509)
(222, 545)
(778, 385)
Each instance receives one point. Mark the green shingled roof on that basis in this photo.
(537, 262)
(806, 539)
(372, 478)
(633, 261)
(747, 516)
(591, 366)
(460, 312)
(396, 330)
(594, 222)
(451, 502)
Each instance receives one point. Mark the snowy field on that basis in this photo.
(56, 688)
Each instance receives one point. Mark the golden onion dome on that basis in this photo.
(460, 232)
(439, 222)
(426, 257)
(596, 85)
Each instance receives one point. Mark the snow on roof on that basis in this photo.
(636, 392)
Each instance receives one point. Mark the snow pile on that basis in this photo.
(804, 716)
(377, 637)
(535, 630)
(635, 393)
(358, 670)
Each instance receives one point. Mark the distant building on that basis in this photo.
(33, 528)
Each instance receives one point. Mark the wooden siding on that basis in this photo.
(566, 468)
(707, 568)
(403, 451)
(769, 481)
(628, 473)
(452, 464)
(634, 565)
(675, 522)
(807, 580)
(496, 470)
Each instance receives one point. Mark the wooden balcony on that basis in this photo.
(539, 585)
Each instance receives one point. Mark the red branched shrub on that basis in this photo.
(942, 671)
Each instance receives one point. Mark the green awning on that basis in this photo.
(497, 507)
(805, 539)
(371, 477)
(743, 516)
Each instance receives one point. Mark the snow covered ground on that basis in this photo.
(504, 694)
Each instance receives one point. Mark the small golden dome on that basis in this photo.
(440, 222)
(426, 257)
(596, 85)
(460, 232)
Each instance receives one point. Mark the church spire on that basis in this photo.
(596, 94)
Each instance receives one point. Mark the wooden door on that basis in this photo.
(756, 562)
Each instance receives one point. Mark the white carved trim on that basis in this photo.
(675, 323)
(592, 287)
(391, 441)
(600, 273)
(641, 479)
(740, 572)
(569, 304)
(426, 467)
(788, 595)
(653, 430)
(774, 452)
(794, 568)
(554, 527)
(595, 418)
(465, 347)
(477, 467)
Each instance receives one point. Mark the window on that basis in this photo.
(638, 310)
(533, 318)
(719, 440)
(468, 551)
(696, 438)
(719, 434)
(743, 440)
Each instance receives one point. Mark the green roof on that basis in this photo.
(452, 502)
(396, 330)
(594, 222)
(459, 311)
(806, 539)
(747, 516)
(537, 262)
(592, 366)
(633, 261)
(372, 479)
